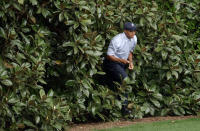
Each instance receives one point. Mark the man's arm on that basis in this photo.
(111, 52)
(130, 59)
(113, 58)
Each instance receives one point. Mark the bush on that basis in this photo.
(51, 56)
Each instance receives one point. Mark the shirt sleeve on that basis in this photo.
(134, 44)
(112, 48)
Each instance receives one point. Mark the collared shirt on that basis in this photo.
(120, 46)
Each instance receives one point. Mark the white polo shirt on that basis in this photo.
(120, 46)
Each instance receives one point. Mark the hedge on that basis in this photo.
(51, 55)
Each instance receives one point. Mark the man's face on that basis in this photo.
(129, 34)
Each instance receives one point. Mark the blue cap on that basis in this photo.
(129, 26)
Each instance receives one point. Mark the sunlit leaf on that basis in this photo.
(155, 102)
(175, 74)
(42, 93)
(34, 2)
(21, 1)
(2, 33)
(169, 75)
(7, 82)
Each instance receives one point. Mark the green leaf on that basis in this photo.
(86, 22)
(164, 55)
(158, 96)
(176, 112)
(21, 56)
(3, 74)
(177, 37)
(92, 72)
(181, 110)
(61, 16)
(83, 65)
(164, 112)
(18, 43)
(57, 125)
(25, 38)
(50, 93)
(99, 12)
(42, 93)
(126, 80)
(93, 110)
(155, 102)
(66, 44)
(69, 22)
(13, 100)
(37, 119)
(86, 92)
(81, 49)
(152, 111)
(93, 53)
(70, 68)
(158, 49)
(98, 38)
(177, 49)
(145, 108)
(142, 21)
(82, 2)
(101, 73)
(17, 6)
(101, 116)
(139, 11)
(7, 82)
(118, 104)
(45, 12)
(75, 50)
(1, 13)
(85, 7)
(175, 74)
(169, 75)
(142, 93)
(2, 33)
(187, 80)
(177, 5)
(34, 2)
(21, 1)
(70, 83)
(149, 19)
(29, 123)
(42, 81)
(84, 28)
(85, 84)
(76, 25)
(196, 95)
(96, 99)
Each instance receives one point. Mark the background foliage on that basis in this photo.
(51, 54)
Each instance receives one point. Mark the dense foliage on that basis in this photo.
(51, 54)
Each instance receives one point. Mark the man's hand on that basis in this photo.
(131, 66)
(130, 58)
(124, 61)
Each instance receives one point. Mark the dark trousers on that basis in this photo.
(115, 72)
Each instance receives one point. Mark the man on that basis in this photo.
(120, 54)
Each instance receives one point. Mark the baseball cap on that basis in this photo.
(129, 26)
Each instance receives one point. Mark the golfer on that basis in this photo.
(120, 55)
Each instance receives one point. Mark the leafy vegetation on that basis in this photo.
(51, 56)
